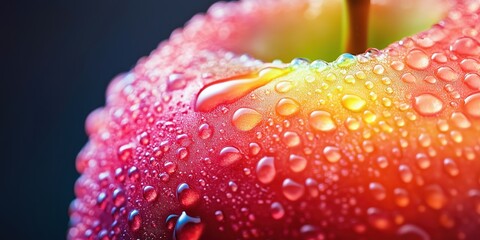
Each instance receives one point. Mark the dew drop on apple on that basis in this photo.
(353, 103)
(118, 197)
(291, 139)
(233, 186)
(292, 190)
(332, 154)
(466, 46)
(322, 121)
(401, 197)
(378, 191)
(287, 107)
(229, 90)
(277, 210)
(297, 163)
(345, 60)
(410, 231)
(205, 131)
(460, 120)
(125, 152)
(435, 196)
(451, 167)
(254, 148)
(446, 74)
(283, 86)
(406, 174)
(188, 228)
(312, 187)
(423, 161)
(472, 105)
(134, 220)
(378, 219)
(219, 215)
(472, 80)
(417, 59)
(149, 193)
(176, 81)
(352, 124)
(229, 155)
(470, 65)
(408, 78)
(170, 221)
(186, 196)
(266, 170)
(427, 104)
(245, 119)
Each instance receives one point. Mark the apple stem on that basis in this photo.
(356, 26)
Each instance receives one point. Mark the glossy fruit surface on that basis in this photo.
(199, 141)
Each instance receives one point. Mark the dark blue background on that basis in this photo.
(57, 58)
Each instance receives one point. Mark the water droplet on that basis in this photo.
(353, 103)
(466, 46)
(149, 193)
(321, 121)
(417, 59)
(332, 154)
(428, 104)
(408, 78)
(352, 124)
(446, 74)
(254, 149)
(187, 197)
(245, 119)
(219, 215)
(229, 90)
(277, 210)
(472, 80)
(378, 69)
(229, 156)
(266, 170)
(345, 60)
(205, 131)
(435, 197)
(422, 161)
(410, 231)
(287, 107)
(424, 140)
(125, 152)
(297, 163)
(472, 105)
(170, 221)
(292, 190)
(378, 219)
(118, 197)
(291, 139)
(460, 120)
(283, 86)
(369, 117)
(134, 220)
(188, 228)
(451, 167)
(378, 191)
(470, 65)
(406, 173)
(176, 81)
(401, 197)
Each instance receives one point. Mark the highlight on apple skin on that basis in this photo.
(202, 141)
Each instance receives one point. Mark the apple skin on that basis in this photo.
(382, 145)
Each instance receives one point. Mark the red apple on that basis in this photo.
(201, 141)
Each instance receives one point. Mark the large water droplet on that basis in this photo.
(245, 119)
(229, 156)
(205, 131)
(378, 191)
(231, 89)
(428, 104)
(417, 59)
(291, 139)
(287, 107)
(451, 167)
(410, 231)
(332, 154)
(472, 105)
(401, 197)
(321, 121)
(283, 86)
(292, 190)
(188, 228)
(460, 120)
(266, 170)
(472, 80)
(149, 193)
(353, 103)
(435, 197)
(187, 197)
(446, 74)
(406, 173)
(466, 46)
(297, 163)
(134, 220)
(277, 210)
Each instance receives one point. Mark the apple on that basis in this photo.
(202, 141)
